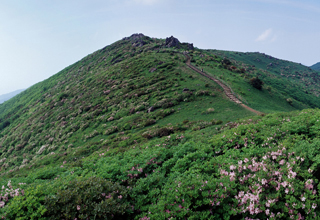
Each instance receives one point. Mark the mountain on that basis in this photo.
(149, 128)
(8, 96)
(316, 66)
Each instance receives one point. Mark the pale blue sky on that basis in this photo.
(38, 38)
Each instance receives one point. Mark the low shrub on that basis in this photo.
(89, 198)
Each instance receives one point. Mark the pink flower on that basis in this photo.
(78, 207)
(267, 212)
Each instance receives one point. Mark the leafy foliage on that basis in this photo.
(88, 198)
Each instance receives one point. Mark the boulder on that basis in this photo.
(172, 42)
(151, 109)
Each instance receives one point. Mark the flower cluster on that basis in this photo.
(270, 180)
(9, 192)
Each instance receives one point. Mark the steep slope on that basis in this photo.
(8, 96)
(316, 66)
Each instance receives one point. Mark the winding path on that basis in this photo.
(226, 89)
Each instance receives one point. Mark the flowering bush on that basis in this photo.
(88, 198)
(8, 193)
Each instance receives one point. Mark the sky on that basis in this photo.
(39, 38)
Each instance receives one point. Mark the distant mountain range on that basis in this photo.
(8, 96)
(316, 66)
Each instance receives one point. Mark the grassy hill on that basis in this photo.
(286, 79)
(113, 134)
(316, 66)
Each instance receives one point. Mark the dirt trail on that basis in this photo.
(226, 89)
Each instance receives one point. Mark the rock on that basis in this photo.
(152, 70)
(134, 37)
(190, 47)
(151, 109)
(172, 42)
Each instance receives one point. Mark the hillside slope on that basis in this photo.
(288, 79)
(117, 97)
(125, 125)
(316, 66)
(123, 95)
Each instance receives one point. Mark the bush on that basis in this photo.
(29, 206)
(256, 83)
(149, 122)
(92, 198)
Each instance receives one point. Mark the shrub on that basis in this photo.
(149, 122)
(92, 198)
(256, 83)
(28, 206)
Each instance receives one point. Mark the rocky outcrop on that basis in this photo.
(136, 40)
(134, 37)
(172, 42)
(190, 47)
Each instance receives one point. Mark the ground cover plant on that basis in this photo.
(130, 132)
(257, 168)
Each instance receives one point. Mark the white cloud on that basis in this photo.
(265, 35)
(146, 2)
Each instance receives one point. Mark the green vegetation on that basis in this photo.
(130, 132)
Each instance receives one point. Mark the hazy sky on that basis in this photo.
(38, 38)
